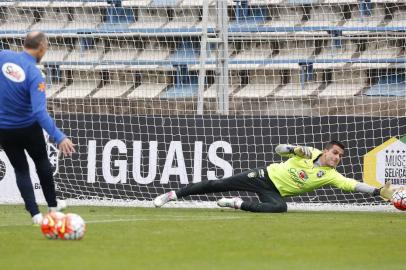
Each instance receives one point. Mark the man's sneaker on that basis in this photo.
(37, 219)
(61, 205)
(230, 202)
(164, 198)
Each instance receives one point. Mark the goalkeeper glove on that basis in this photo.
(386, 192)
(303, 151)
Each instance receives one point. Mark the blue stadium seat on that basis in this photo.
(398, 89)
(185, 86)
(186, 50)
(388, 85)
(118, 15)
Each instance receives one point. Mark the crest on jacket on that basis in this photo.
(320, 174)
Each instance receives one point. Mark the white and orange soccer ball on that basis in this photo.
(73, 227)
(399, 199)
(51, 224)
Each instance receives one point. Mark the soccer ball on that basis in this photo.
(51, 224)
(399, 199)
(73, 227)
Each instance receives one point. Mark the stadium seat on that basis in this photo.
(62, 4)
(293, 90)
(242, 66)
(211, 91)
(185, 55)
(340, 2)
(234, 83)
(196, 3)
(150, 83)
(7, 3)
(302, 2)
(389, 82)
(184, 18)
(358, 19)
(17, 19)
(117, 85)
(52, 88)
(387, 89)
(399, 19)
(345, 82)
(262, 83)
(121, 51)
(113, 90)
(330, 52)
(164, 3)
(381, 49)
(258, 50)
(256, 90)
(297, 89)
(154, 51)
(96, 3)
(341, 90)
(135, 3)
(148, 90)
(265, 3)
(295, 49)
(32, 4)
(180, 91)
(15, 47)
(117, 17)
(52, 19)
(55, 53)
(84, 82)
(85, 18)
(150, 18)
(211, 19)
(324, 15)
(285, 17)
(211, 51)
(86, 51)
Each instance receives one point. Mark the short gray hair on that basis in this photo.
(34, 40)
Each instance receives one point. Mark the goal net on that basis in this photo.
(161, 93)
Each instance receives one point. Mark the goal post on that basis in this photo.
(150, 111)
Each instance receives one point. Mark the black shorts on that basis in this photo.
(15, 141)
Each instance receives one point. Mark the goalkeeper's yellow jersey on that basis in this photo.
(299, 175)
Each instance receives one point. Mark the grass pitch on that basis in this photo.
(141, 238)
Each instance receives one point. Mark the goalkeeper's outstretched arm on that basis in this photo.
(288, 150)
(352, 185)
(386, 191)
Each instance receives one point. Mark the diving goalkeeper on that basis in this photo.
(306, 170)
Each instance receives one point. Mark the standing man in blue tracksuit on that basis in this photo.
(23, 115)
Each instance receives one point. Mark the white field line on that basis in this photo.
(166, 219)
(153, 218)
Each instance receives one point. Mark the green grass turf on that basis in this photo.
(140, 238)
